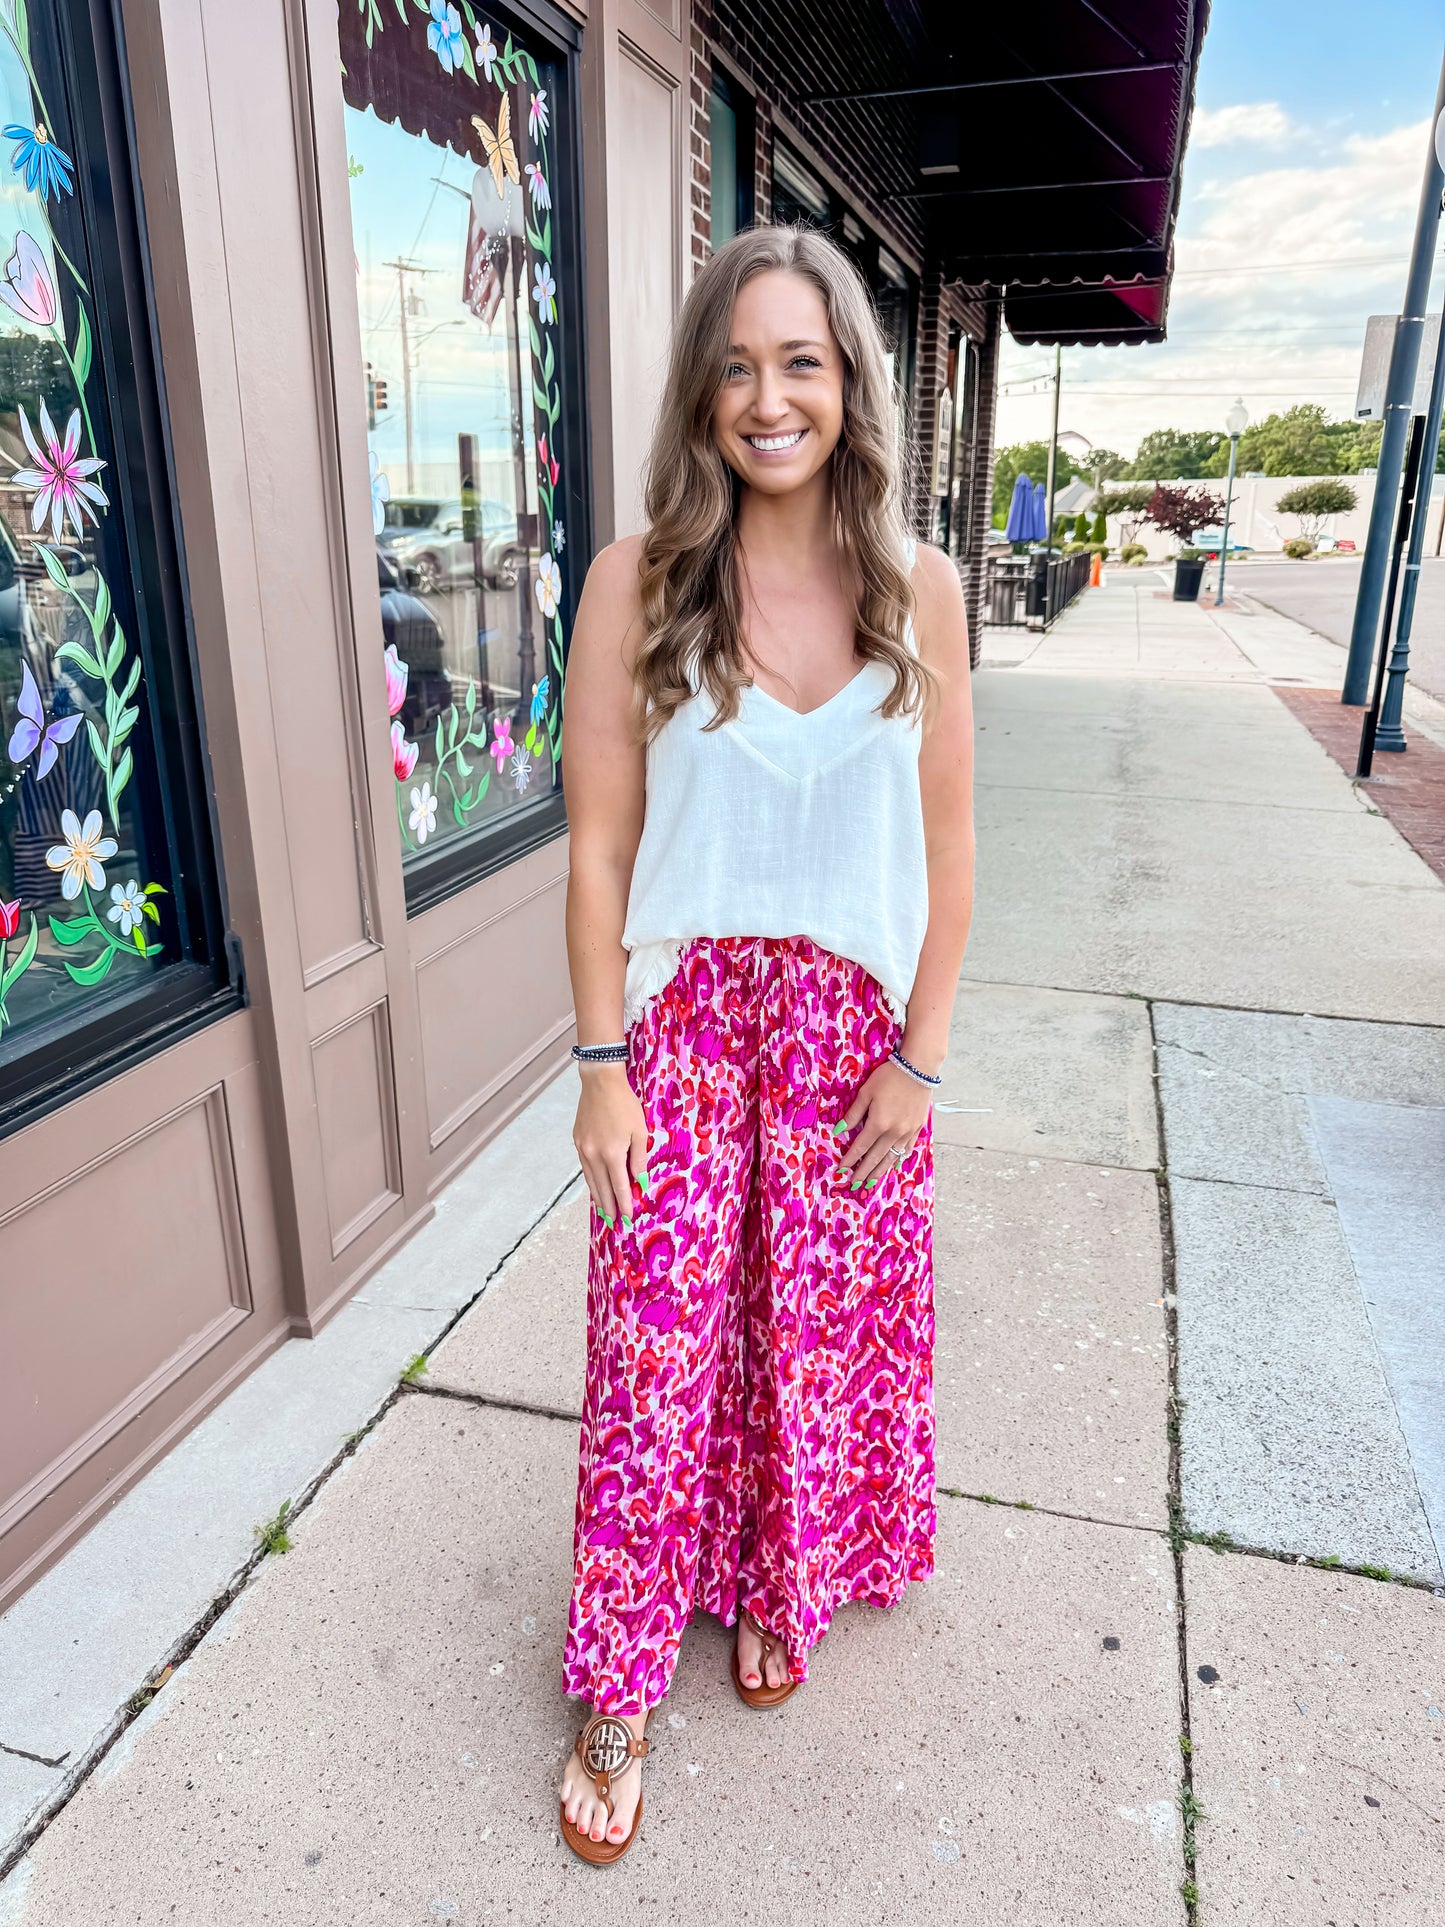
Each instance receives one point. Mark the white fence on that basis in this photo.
(1257, 524)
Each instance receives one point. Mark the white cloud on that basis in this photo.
(1262, 122)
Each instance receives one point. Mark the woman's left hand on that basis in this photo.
(889, 1111)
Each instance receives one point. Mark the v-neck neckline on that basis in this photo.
(802, 715)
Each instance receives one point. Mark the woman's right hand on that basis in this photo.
(610, 1125)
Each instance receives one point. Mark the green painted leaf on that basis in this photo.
(155, 890)
(463, 766)
(124, 724)
(471, 699)
(54, 567)
(152, 912)
(81, 355)
(118, 781)
(549, 361)
(469, 67)
(81, 657)
(539, 397)
(115, 655)
(22, 26)
(21, 961)
(91, 973)
(532, 69)
(138, 938)
(529, 741)
(131, 680)
(74, 930)
(97, 743)
(547, 235)
(534, 337)
(100, 614)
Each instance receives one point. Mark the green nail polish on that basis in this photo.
(606, 1220)
(626, 1222)
(840, 1126)
(643, 1179)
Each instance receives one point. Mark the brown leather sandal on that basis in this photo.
(763, 1695)
(606, 1747)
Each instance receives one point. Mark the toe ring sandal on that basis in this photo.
(763, 1694)
(606, 1747)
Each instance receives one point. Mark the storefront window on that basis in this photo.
(91, 910)
(464, 221)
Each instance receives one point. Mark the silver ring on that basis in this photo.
(895, 1153)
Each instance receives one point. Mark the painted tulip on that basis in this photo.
(403, 753)
(396, 675)
(9, 918)
(26, 287)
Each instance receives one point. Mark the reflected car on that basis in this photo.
(407, 622)
(424, 534)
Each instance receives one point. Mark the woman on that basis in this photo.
(771, 880)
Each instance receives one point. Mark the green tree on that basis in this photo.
(1130, 504)
(1313, 503)
(1025, 458)
(1176, 454)
(1103, 464)
(1294, 442)
(1081, 527)
(1099, 532)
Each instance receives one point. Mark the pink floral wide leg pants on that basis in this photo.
(757, 1425)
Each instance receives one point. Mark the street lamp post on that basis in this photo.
(1236, 421)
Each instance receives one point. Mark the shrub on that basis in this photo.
(1298, 547)
(1313, 503)
(1128, 504)
(1081, 527)
(1180, 511)
(1100, 531)
(1133, 552)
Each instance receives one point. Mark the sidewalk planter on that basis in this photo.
(1188, 574)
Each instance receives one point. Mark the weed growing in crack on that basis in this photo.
(413, 1369)
(1186, 1746)
(273, 1536)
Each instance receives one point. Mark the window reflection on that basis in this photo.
(453, 214)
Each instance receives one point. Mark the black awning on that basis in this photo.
(1050, 140)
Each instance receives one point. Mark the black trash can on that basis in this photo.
(1188, 574)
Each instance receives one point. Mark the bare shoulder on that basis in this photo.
(940, 620)
(609, 613)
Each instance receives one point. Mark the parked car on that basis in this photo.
(424, 534)
(407, 622)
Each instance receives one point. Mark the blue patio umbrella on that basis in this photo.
(1039, 529)
(1020, 524)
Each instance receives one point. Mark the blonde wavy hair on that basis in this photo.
(691, 597)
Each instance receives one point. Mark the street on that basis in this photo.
(1321, 593)
(1187, 1630)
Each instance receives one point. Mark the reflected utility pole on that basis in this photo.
(404, 297)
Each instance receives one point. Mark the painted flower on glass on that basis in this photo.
(80, 856)
(502, 745)
(9, 919)
(539, 699)
(396, 675)
(380, 495)
(559, 539)
(521, 770)
(544, 292)
(403, 754)
(40, 161)
(486, 50)
(27, 286)
(551, 468)
(537, 182)
(423, 818)
(549, 585)
(59, 475)
(537, 113)
(32, 732)
(127, 906)
(444, 35)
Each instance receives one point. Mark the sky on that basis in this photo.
(1300, 188)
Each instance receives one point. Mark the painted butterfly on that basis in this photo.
(501, 154)
(32, 731)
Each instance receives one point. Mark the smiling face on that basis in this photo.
(779, 412)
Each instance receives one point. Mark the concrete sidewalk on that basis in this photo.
(1187, 1631)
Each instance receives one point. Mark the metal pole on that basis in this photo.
(1049, 490)
(1399, 393)
(1407, 499)
(1390, 735)
(1228, 503)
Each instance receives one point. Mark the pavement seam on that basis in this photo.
(12, 1854)
(1198, 1003)
(1251, 803)
(1189, 1811)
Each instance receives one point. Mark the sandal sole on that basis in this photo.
(598, 1853)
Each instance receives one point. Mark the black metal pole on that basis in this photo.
(1390, 734)
(1399, 396)
(1402, 524)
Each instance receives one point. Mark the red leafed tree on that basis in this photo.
(1180, 511)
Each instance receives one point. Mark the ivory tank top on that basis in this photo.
(783, 824)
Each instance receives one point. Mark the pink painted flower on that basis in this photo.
(403, 753)
(537, 113)
(396, 675)
(9, 918)
(26, 287)
(551, 467)
(502, 744)
(59, 476)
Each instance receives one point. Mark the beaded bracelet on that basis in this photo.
(600, 1053)
(912, 1069)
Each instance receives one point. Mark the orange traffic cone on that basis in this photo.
(1096, 570)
